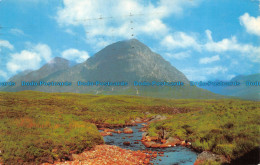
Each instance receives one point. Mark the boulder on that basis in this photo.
(158, 117)
(163, 141)
(148, 138)
(147, 144)
(209, 156)
(173, 141)
(106, 133)
(144, 135)
(147, 161)
(128, 130)
(138, 120)
(156, 145)
(183, 143)
(165, 145)
(142, 129)
(126, 143)
(109, 130)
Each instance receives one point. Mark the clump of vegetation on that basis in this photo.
(227, 127)
(41, 137)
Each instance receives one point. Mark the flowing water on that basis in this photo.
(176, 155)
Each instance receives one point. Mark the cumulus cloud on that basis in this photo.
(181, 40)
(75, 55)
(231, 44)
(252, 24)
(6, 44)
(208, 60)
(226, 44)
(120, 19)
(29, 59)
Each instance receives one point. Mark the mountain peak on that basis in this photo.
(130, 60)
(56, 60)
(133, 40)
(120, 49)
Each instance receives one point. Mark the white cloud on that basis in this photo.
(180, 40)
(208, 60)
(215, 70)
(6, 44)
(225, 44)
(230, 76)
(251, 24)
(3, 74)
(209, 36)
(231, 44)
(29, 59)
(44, 51)
(180, 55)
(203, 74)
(155, 27)
(119, 19)
(16, 31)
(194, 74)
(75, 55)
(69, 31)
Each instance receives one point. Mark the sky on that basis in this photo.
(204, 39)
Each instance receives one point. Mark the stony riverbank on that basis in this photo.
(108, 155)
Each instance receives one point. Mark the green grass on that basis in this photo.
(227, 127)
(36, 126)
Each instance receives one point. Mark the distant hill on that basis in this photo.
(242, 91)
(20, 75)
(56, 65)
(127, 61)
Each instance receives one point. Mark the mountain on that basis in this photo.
(20, 75)
(127, 61)
(56, 65)
(243, 91)
(131, 60)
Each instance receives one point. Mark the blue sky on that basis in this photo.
(205, 39)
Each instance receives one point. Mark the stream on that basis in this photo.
(178, 155)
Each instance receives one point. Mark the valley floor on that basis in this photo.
(41, 127)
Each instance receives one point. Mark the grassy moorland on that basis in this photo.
(227, 127)
(37, 127)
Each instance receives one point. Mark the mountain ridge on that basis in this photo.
(242, 91)
(129, 61)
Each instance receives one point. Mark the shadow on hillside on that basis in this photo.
(249, 158)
